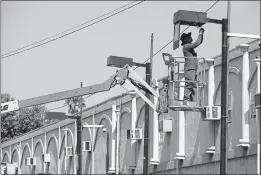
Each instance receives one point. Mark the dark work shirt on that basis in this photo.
(188, 51)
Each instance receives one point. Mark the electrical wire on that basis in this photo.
(68, 29)
(173, 39)
(11, 53)
(67, 104)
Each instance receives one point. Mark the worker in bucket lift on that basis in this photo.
(191, 65)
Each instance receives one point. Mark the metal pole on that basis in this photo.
(224, 97)
(151, 56)
(79, 138)
(146, 124)
(228, 41)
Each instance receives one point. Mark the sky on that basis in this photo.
(81, 57)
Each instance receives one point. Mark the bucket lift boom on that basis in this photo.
(120, 77)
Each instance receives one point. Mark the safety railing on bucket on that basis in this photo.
(177, 81)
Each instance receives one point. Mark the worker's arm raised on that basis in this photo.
(197, 42)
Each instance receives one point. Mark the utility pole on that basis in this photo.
(146, 124)
(147, 112)
(151, 56)
(79, 137)
(224, 75)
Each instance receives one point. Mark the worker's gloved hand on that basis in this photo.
(201, 31)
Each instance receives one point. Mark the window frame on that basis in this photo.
(252, 107)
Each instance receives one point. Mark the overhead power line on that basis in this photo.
(23, 49)
(67, 30)
(67, 104)
(173, 39)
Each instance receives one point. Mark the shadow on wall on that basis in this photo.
(88, 159)
(168, 141)
(124, 144)
(52, 167)
(26, 153)
(66, 163)
(100, 154)
(102, 145)
(86, 156)
(5, 157)
(38, 153)
(139, 143)
(15, 158)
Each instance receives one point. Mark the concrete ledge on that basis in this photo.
(245, 145)
(210, 150)
(235, 153)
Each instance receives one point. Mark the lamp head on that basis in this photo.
(120, 62)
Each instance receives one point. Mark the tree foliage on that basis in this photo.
(17, 123)
(75, 104)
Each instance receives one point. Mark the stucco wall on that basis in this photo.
(51, 139)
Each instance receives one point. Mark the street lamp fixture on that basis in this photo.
(120, 62)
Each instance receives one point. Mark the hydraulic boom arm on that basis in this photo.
(121, 75)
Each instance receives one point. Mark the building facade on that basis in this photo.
(53, 146)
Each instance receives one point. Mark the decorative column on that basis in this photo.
(113, 140)
(155, 127)
(118, 114)
(244, 141)
(211, 92)
(45, 151)
(257, 60)
(211, 82)
(59, 149)
(32, 155)
(181, 123)
(66, 159)
(133, 126)
(258, 118)
(75, 167)
(20, 158)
